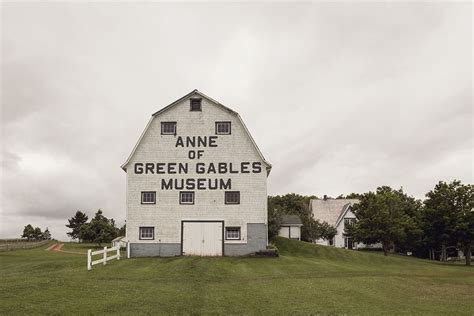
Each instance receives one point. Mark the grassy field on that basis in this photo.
(305, 279)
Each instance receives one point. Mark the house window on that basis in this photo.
(168, 128)
(232, 197)
(186, 197)
(149, 197)
(147, 233)
(349, 222)
(195, 105)
(223, 128)
(232, 233)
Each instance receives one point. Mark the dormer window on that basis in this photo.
(195, 105)
(168, 128)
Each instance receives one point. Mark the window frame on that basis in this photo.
(350, 221)
(231, 203)
(186, 203)
(146, 227)
(148, 203)
(191, 104)
(224, 122)
(167, 133)
(238, 228)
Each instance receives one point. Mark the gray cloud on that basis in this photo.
(340, 97)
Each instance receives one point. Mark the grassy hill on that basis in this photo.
(304, 279)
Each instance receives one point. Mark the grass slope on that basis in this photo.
(305, 279)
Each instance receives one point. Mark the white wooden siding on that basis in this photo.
(166, 215)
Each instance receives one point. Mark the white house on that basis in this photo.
(290, 227)
(196, 183)
(338, 213)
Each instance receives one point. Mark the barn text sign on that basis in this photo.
(196, 146)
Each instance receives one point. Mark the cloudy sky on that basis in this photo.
(339, 97)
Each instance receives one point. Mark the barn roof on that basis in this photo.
(192, 93)
(291, 220)
(331, 211)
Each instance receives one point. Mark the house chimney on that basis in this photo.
(325, 197)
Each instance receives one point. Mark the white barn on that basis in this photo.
(338, 213)
(196, 183)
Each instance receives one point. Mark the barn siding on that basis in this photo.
(166, 215)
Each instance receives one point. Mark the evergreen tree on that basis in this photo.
(28, 232)
(99, 230)
(37, 234)
(46, 234)
(75, 223)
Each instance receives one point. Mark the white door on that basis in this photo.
(284, 232)
(295, 232)
(202, 238)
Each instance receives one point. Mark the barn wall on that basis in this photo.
(154, 250)
(257, 240)
(166, 215)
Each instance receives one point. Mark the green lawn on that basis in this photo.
(305, 279)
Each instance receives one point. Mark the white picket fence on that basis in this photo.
(104, 259)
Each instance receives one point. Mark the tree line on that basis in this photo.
(31, 233)
(399, 222)
(98, 230)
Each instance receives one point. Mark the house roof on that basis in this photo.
(119, 238)
(331, 211)
(192, 93)
(291, 220)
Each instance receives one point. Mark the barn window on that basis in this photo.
(186, 197)
(232, 233)
(195, 105)
(223, 128)
(149, 197)
(168, 128)
(147, 233)
(232, 197)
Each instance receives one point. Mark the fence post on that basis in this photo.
(118, 252)
(105, 255)
(89, 259)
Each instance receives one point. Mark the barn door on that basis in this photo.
(202, 238)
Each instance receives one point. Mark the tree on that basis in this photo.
(37, 234)
(46, 234)
(349, 196)
(99, 230)
(28, 232)
(448, 218)
(327, 231)
(384, 217)
(275, 213)
(75, 223)
(123, 230)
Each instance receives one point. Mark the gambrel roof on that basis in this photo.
(196, 92)
(331, 211)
